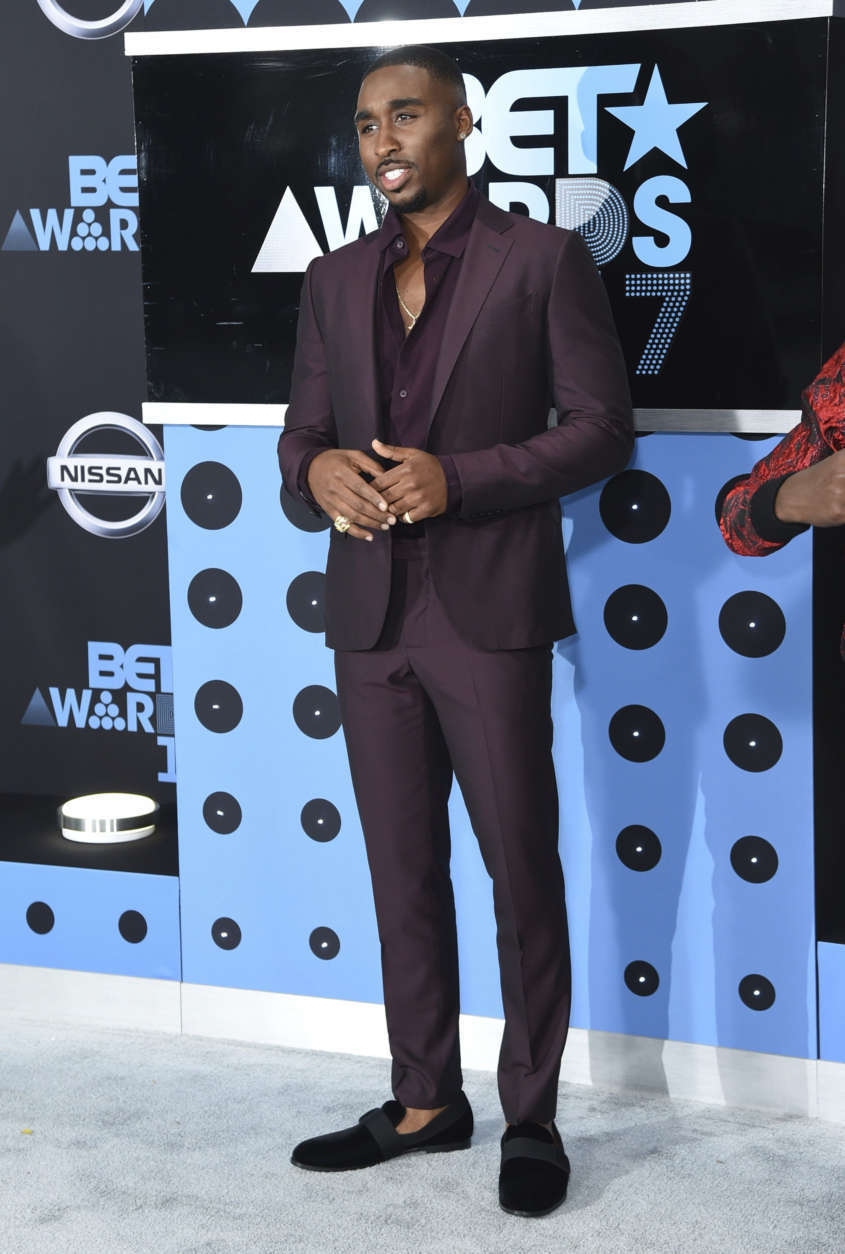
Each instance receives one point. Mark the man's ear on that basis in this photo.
(463, 118)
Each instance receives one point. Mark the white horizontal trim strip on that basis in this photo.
(464, 29)
(117, 1001)
(707, 421)
(831, 1091)
(704, 421)
(186, 414)
(725, 1077)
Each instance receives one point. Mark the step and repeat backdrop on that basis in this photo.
(692, 160)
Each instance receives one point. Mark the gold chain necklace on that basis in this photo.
(412, 316)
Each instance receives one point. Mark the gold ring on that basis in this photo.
(342, 523)
(406, 517)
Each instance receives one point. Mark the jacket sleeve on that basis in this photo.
(309, 422)
(594, 436)
(747, 509)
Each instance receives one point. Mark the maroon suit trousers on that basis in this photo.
(420, 706)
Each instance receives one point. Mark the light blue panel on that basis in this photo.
(276, 883)
(692, 918)
(87, 905)
(831, 1002)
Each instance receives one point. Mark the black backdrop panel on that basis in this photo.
(71, 346)
(748, 199)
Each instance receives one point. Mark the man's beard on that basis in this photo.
(414, 204)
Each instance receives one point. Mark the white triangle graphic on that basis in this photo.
(290, 243)
(37, 713)
(18, 237)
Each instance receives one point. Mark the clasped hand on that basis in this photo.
(415, 485)
(815, 495)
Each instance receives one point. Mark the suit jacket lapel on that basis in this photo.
(356, 317)
(486, 251)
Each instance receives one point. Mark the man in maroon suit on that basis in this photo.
(428, 356)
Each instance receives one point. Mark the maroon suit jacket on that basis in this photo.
(529, 328)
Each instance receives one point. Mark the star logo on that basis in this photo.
(655, 123)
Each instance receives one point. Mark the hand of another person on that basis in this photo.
(335, 481)
(815, 495)
(417, 485)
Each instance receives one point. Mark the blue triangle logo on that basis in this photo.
(18, 238)
(37, 714)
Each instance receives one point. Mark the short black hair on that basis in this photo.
(439, 65)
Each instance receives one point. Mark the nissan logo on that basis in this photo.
(73, 475)
(99, 29)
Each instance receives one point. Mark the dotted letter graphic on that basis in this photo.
(674, 286)
(596, 210)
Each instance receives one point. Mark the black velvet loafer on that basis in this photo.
(374, 1139)
(535, 1170)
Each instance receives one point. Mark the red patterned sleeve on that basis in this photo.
(747, 514)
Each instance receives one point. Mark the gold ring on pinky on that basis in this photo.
(342, 523)
(406, 517)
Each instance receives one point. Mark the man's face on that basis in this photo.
(408, 125)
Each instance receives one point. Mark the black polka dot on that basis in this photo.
(757, 992)
(725, 491)
(635, 616)
(637, 733)
(211, 495)
(132, 926)
(297, 512)
(754, 859)
(638, 848)
(40, 917)
(316, 712)
(635, 506)
(320, 819)
(305, 600)
(752, 624)
(641, 978)
(218, 706)
(324, 942)
(215, 598)
(226, 933)
(222, 813)
(752, 742)
(208, 426)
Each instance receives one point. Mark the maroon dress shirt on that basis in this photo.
(406, 363)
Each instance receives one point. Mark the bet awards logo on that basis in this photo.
(102, 217)
(576, 197)
(130, 488)
(127, 690)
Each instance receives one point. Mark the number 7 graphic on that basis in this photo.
(675, 287)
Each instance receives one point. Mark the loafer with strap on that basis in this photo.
(534, 1175)
(374, 1139)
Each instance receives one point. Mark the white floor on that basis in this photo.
(121, 1140)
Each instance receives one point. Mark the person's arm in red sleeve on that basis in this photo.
(789, 489)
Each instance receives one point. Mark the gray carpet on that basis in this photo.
(142, 1143)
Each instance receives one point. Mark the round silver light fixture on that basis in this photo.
(108, 818)
(101, 28)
